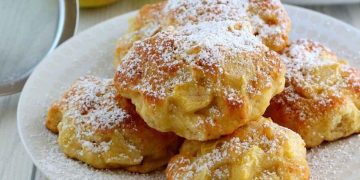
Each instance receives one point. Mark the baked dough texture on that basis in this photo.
(321, 99)
(259, 150)
(102, 129)
(201, 81)
(268, 18)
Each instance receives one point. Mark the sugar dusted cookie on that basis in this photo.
(200, 81)
(268, 18)
(259, 150)
(102, 129)
(321, 99)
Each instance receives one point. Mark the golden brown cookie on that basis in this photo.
(259, 150)
(268, 18)
(321, 99)
(102, 129)
(201, 81)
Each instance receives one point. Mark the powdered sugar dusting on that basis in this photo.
(92, 100)
(203, 46)
(302, 58)
(331, 160)
(91, 104)
(268, 18)
(216, 39)
(225, 150)
(188, 11)
(318, 72)
(233, 96)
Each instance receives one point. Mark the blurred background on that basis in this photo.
(14, 162)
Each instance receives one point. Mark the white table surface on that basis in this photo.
(14, 161)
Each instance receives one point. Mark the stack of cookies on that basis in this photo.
(194, 83)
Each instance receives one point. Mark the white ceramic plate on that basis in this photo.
(91, 52)
(320, 2)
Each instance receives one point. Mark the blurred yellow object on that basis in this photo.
(95, 3)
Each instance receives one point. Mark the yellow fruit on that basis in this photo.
(95, 3)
